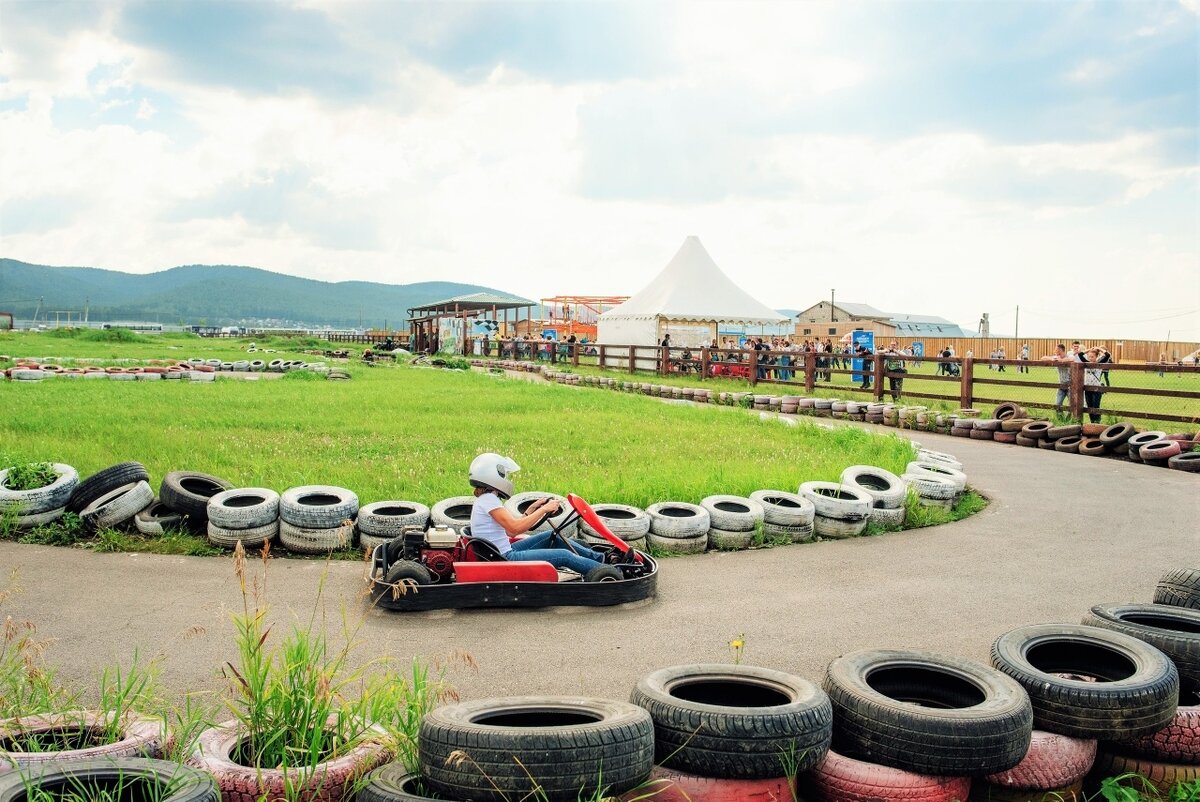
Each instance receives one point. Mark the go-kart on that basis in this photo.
(439, 568)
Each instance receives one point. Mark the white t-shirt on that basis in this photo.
(484, 526)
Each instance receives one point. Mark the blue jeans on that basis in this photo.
(535, 548)
(1060, 397)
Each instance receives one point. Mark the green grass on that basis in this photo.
(92, 344)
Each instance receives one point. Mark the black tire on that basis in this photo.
(1058, 665)
(393, 783)
(135, 777)
(564, 747)
(188, 492)
(408, 571)
(604, 573)
(927, 713)
(1117, 433)
(104, 482)
(1174, 631)
(1187, 461)
(1179, 588)
(735, 722)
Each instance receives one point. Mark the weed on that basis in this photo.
(66, 531)
(737, 646)
(30, 476)
(27, 685)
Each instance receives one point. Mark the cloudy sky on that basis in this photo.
(943, 158)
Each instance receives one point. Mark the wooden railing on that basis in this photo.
(809, 372)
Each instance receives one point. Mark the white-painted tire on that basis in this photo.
(253, 537)
(626, 522)
(940, 457)
(923, 468)
(795, 534)
(41, 499)
(318, 506)
(118, 506)
(834, 500)
(24, 522)
(156, 519)
(729, 541)
(931, 487)
(889, 516)
(732, 513)
(244, 508)
(884, 487)
(454, 512)
(519, 504)
(388, 519)
(315, 540)
(837, 528)
(678, 519)
(678, 545)
(785, 509)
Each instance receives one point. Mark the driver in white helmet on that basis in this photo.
(491, 476)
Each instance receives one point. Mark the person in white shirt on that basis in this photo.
(491, 477)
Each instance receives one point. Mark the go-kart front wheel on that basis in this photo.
(604, 573)
(404, 576)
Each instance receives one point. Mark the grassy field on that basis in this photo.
(922, 380)
(120, 344)
(399, 432)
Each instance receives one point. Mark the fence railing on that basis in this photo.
(963, 379)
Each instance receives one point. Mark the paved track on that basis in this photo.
(1063, 532)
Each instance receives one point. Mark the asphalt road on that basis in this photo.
(1063, 532)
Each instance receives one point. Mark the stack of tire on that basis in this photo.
(840, 511)
(911, 724)
(383, 521)
(677, 527)
(962, 427)
(938, 481)
(985, 428)
(317, 519)
(248, 515)
(631, 524)
(732, 732)
(888, 493)
(552, 748)
(1164, 450)
(1086, 683)
(112, 497)
(39, 506)
(786, 515)
(188, 494)
(520, 504)
(733, 521)
(1171, 625)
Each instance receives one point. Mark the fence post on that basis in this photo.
(575, 354)
(664, 360)
(967, 385)
(877, 363)
(632, 349)
(1075, 394)
(704, 358)
(601, 355)
(810, 371)
(753, 367)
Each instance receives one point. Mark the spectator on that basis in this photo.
(1024, 358)
(864, 353)
(894, 364)
(1063, 359)
(1162, 360)
(1092, 394)
(1000, 355)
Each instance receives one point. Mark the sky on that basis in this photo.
(936, 158)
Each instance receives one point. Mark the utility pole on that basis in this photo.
(1017, 325)
(831, 317)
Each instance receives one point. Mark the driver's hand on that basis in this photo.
(553, 505)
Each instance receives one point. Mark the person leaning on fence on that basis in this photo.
(1063, 359)
(1092, 394)
(864, 353)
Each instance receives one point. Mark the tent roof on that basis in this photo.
(692, 287)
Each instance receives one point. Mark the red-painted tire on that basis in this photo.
(1178, 742)
(141, 736)
(331, 780)
(669, 785)
(1163, 776)
(1160, 449)
(986, 792)
(1053, 761)
(844, 779)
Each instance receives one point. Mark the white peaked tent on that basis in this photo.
(689, 299)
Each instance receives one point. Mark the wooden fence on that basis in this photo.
(809, 372)
(1143, 351)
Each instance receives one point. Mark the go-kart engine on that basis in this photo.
(439, 562)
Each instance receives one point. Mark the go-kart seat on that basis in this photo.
(484, 551)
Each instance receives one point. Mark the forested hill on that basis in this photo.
(214, 294)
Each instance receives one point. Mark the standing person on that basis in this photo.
(1062, 359)
(864, 353)
(1162, 360)
(1000, 355)
(760, 345)
(894, 364)
(1092, 394)
(1024, 358)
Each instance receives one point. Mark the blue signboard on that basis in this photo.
(867, 339)
(918, 348)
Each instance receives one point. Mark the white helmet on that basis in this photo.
(493, 472)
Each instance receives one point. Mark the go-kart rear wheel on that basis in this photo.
(604, 573)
